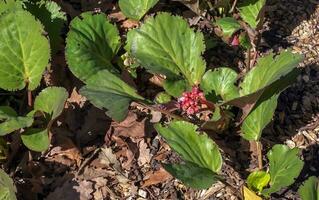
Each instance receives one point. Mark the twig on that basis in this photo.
(87, 161)
(254, 57)
(259, 154)
(248, 64)
(29, 98)
(233, 189)
(233, 6)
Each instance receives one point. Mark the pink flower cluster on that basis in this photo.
(192, 101)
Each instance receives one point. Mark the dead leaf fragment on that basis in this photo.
(250, 195)
(156, 177)
(145, 154)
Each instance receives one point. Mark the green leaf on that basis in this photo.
(163, 97)
(24, 51)
(10, 5)
(10, 121)
(268, 70)
(250, 11)
(258, 118)
(92, 42)
(263, 111)
(107, 90)
(192, 175)
(52, 17)
(221, 81)
(310, 189)
(136, 9)
(190, 145)
(175, 87)
(166, 45)
(244, 41)
(257, 180)
(36, 139)
(229, 25)
(284, 166)
(7, 188)
(51, 101)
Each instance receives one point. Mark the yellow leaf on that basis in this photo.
(250, 195)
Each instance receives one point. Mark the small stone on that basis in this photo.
(305, 78)
(142, 193)
(294, 106)
(290, 144)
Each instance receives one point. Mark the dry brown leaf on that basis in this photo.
(75, 97)
(132, 126)
(117, 16)
(145, 156)
(107, 157)
(64, 152)
(156, 177)
(129, 24)
(73, 189)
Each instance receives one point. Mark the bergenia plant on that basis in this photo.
(25, 54)
(167, 47)
(196, 99)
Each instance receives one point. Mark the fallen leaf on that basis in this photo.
(75, 97)
(156, 177)
(73, 189)
(250, 195)
(107, 157)
(64, 152)
(145, 156)
(129, 24)
(132, 126)
(117, 16)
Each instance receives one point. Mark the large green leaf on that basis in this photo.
(136, 9)
(92, 42)
(310, 189)
(192, 175)
(190, 145)
(258, 118)
(221, 81)
(257, 180)
(7, 188)
(268, 70)
(10, 121)
(52, 17)
(166, 45)
(24, 51)
(250, 11)
(229, 25)
(284, 166)
(107, 90)
(51, 101)
(264, 109)
(36, 139)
